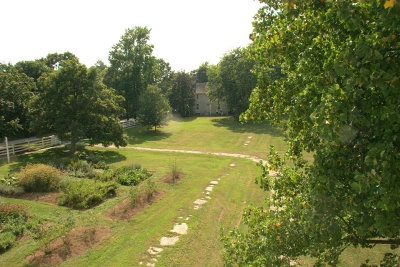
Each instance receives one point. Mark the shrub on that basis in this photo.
(13, 219)
(83, 194)
(94, 158)
(150, 188)
(10, 190)
(81, 168)
(131, 176)
(107, 175)
(9, 180)
(134, 195)
(6, 240)
(9, 210)
(174, 172)
(39, 178)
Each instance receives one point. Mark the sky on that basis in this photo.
(184, 33)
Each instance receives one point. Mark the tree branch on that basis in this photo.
(384, 241)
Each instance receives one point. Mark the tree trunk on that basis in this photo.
(155, 129)
(73, 145)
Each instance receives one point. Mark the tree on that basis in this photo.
(181, 96)
(131, 67)
(33, 69)
(15, 93)
(201, 73)
(153, 107)
(232, 81)
(75, 105)
(339, 98)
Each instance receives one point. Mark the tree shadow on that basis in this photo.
(61, 154)
(250, 127)
(139, 135)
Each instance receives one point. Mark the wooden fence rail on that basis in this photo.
(28, 145)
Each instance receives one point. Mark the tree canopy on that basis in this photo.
(153, 108)
(339, 99)
(131, 68)
(75, 104)
(181, 95)
(16, 90)
(232, 80)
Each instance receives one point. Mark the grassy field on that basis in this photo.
(215, 134)
(130, 239)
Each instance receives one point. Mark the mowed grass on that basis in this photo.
(130, 239)
(214, 134)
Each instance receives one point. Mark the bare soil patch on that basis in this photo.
(124, 210)
(169, 179)
(73, 244)
(49, 197)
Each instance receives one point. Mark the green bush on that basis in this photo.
(13, 221)
(94, 158)
(10, 190)
(129, 175)
(39, 178)
(6, 240)
(81, 168)
(134, 195)
(150, 188)
(106, 176)
(83, 194)
(9, 180)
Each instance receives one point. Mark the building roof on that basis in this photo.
(201, 88)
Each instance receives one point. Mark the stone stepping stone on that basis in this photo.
(246, 144)
(196, 207)
(154, 250)
(200, 201)
(150, 264)
(208, 197)
(249, 137)
(232, 164)
(168, 241)
(187, 219)
(214, 182)
(180, 228)
(209, 188)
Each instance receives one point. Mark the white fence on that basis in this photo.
(128, 123)
(22, 146)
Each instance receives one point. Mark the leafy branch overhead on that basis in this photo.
(339, 99)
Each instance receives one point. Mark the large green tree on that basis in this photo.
(340, 100)
(131, 69)
(181, 95)
(15, 94)
(154, 107)
(76, 105)
(232, 80)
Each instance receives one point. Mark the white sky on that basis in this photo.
(185, 33)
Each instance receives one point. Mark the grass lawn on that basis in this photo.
(130, 239)
(215, 134)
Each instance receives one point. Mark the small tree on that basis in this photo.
(75, 105)
(181, 96)
(153, 107)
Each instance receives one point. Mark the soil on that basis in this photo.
(168, 178)
(42, 197)
(124, 210)
(73, 244)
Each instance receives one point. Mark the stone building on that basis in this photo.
(203, 106)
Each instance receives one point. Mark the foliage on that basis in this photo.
(95, 159)
(84, 194)
(10, 190)
(131, 69)
(174, 171)
(9, 180)
(181, 96)
(134, 195)
(340, 98)
(130, 175)
(81, 168)
(13, 218)
(39, 178)
(75, 104)
(150, 188)
(16, 90)
(153, 108)
(201, 73)
(33, 69)
(105, 176)
(232, 80)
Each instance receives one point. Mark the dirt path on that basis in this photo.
(220, 154)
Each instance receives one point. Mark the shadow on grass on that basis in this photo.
(139, 135)
(250, 127)
(60, 154)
